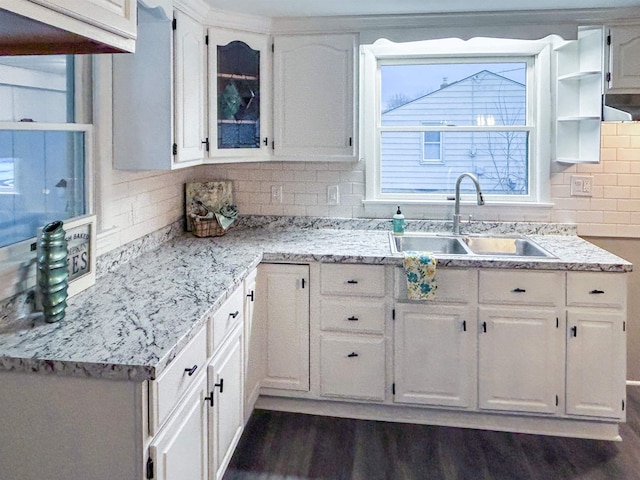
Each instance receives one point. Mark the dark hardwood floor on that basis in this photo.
(279, 446)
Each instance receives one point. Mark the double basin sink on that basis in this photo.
(484, 245)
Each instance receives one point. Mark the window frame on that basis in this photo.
(16, 257)
(537, 52)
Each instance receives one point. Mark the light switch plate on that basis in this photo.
(581, 185)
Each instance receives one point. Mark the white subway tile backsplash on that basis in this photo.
(142, 202)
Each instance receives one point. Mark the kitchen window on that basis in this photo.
(433, 110)
(44, 140)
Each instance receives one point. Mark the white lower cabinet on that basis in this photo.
(352, 367)
(226, 416)
(253, 347)
(520, 359)
(353, 345)
(596, 344)
(520, 341)
(596, 356)
(283, 309)
(435, 355)
(179, 451)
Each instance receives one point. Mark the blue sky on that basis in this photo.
(417, 80)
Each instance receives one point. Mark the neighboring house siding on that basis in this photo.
(498, 158)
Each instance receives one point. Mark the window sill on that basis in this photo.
(463, 201)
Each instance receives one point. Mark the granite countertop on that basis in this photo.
(138, 317)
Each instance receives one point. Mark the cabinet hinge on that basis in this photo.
(273, 145)
(174, 24)
(623, 404)
(175, 148)
(149, 468)
(608, 76)
(206, 39)
(393, 388)
(608, 39)
(393, 314)
(273, 49)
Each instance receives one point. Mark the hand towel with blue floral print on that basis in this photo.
(420, 268)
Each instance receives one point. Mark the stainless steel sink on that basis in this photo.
(423, 242)
(505, 246)
(481, 245)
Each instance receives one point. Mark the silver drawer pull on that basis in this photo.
(596, 292)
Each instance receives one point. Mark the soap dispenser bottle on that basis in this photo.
(398, 223)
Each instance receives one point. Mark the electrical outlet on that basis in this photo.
(276, 193)
(333, 195)
(581, 186)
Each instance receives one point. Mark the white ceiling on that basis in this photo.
(298, 8)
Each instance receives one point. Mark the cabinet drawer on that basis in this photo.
(352, 315)
(454, 285)
(521, 287)
(362, 280)
(224, 319)
(172, 384)
(352, 367)
(596, 289)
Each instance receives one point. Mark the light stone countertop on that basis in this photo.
(138, 317)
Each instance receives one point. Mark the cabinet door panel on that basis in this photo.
(520, 360)
(240, 95)
(625, 59)
(253, 351)
(180, 449)
(190, 92)
(314, 96)
(435, 355)
(283, 292)
(596, 353)
(227, 415)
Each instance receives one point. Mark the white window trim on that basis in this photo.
(539, 80)
(17, 261)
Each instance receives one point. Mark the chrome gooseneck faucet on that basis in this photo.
(456, 209)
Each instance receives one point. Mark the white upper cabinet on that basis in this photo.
(159, 95)
(190, 90)
(79, 26)
(314, 97)
(624, 59)
(239, 96)
(579, 88)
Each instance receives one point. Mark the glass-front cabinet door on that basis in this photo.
(239, 127)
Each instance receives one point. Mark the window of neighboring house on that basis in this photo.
(431, 147)
(43, 143)
(433, 113)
